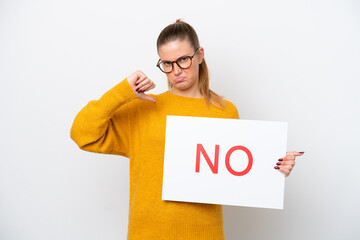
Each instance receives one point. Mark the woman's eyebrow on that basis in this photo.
(176, 59)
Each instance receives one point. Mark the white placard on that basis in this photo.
(246, 153)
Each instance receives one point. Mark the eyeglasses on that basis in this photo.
(183, 63)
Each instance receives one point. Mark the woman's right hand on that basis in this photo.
(140, 83)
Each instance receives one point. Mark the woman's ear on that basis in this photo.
(201, 55)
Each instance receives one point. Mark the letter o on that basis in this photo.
(227, 160)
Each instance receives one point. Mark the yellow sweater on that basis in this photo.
(120, 123)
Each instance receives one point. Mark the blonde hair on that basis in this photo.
(181, 30)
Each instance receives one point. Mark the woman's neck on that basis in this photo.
(192, 93)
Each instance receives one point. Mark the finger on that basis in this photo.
(286, 164)
(287, 157)
(295, 153)
(140, 89)
(286, 171)
(289, 164)
(149, 98)
(145, 88)
(148, 88)
(141, 78)
(144, 83)
(134, 77)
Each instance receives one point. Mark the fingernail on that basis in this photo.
(302, 152)
(136, 84)
(276, 167)
(137, 89)
(280, 159)
(279, 163)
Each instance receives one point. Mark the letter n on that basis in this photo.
(214, 167)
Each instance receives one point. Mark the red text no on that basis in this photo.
(214, 167)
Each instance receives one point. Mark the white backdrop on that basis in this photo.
(295, 61)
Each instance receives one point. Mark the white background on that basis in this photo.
(294, 61)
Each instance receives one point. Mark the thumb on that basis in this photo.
(149, 98)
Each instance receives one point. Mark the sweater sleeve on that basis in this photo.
(94, 129)
(232, 110)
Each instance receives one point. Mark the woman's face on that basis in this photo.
(183, 81)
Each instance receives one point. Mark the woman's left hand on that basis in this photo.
(287, 163)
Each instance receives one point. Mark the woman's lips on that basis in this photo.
(179, 79)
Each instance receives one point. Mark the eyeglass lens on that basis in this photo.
(184, 62)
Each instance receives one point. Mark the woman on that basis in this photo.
(128, 122)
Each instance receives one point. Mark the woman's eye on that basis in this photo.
(183, 59)
(167, 64)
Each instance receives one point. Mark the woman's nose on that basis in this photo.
(176, 69)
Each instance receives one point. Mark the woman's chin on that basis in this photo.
(180, 86)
